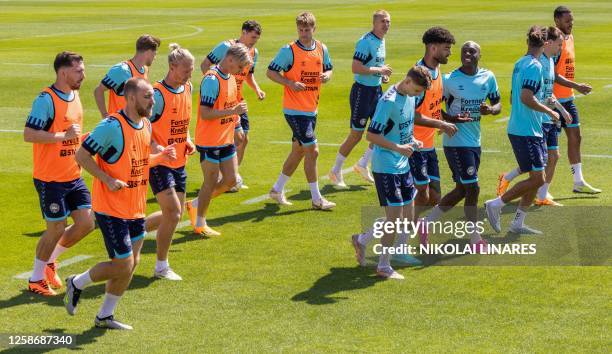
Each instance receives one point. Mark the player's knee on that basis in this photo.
(172, 214)
(85, 225)
(56, 228)
(553, 156)
(355, 136)
(312, 153)
(537, 180)
(230, 180)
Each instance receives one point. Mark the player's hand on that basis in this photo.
(584, 89)
(325, 77)
(297, 86)
(240, 108)
(405, 149)
(463, 118)
(72, 132)
(485, 109)
(158, 149)
(553, 115)
(449, 128)
(385, 79)
(169, 152)
(190, 148)
(566, 116)
(114, 184)
(261, 95)
(417, 143)
(386, 70)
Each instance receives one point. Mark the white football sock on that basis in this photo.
(161, 265)
(56, 253)
(365, 159)
(280, 183)
(384, 261)
(82, 280)
(543, 191)
(339, 162)
(512, 174)
(314, 191)
(434, 214)
(39, 270)
(194, 203)
(108, 306)
(519, 218)
(200, 221)
(577, 173)
(366, 237)
(498, 203)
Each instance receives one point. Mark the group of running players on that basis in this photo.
(143, 139)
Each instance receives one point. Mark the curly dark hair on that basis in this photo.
(436, 35)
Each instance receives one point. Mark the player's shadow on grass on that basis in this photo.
(33, 234)
(26, 297)
(327, 190)
(86, 337)
(578, 197)
(338, 279)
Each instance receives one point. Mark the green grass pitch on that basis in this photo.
(284, 279)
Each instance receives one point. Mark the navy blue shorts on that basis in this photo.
(463, 163)
(303, 128)
(530, 152)
(394, 190)
(363, 101)
(119, 234)
(424, 166)
(570, 107)
(58, 199)
(216, 154)
(551, 136)
(244, 122)
(163, 177)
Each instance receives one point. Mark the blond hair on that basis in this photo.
(241, 53)
(306, 19)
(380, 13)
(179, 54)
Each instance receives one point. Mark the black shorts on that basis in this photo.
(59, 199)
(119, 234)
(570, 107)
(424, 166)
(163, 177)
(216, 154)
(530, 152)
(363, 101)
(394, 190)
(551, 136)
(463, 163)
(303, 128)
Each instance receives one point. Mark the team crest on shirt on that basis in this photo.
(54, 208)
(470, 171)
(424, 170)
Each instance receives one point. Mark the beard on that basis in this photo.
(144, 111)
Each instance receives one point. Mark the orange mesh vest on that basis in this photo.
(173, 125)
(307, 68)
(219, 131)
(55, 162)
(116, 102)
(244, 73)
(132, 168)
(431, 107)
(565, 67)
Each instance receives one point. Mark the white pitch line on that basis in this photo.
(263, 197)
(290, 142)
(77, 32)
(10, 131)
(504, 119)
(608, 86)
(598, 156)
(65, 263)
(198, 30)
